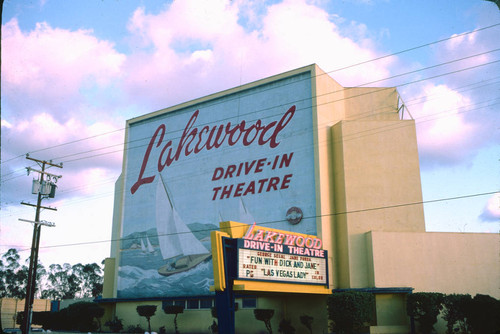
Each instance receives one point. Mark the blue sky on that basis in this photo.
(74, 71)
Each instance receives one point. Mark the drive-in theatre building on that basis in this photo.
(311, 188)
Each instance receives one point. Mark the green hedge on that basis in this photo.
(81, 316)
(351, 311)
(462, 313)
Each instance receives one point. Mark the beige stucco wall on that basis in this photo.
(371, 103)
(328, 108)
(377, 187)
(108, 287)
(286, 306)
(437, 262)
(187, 322)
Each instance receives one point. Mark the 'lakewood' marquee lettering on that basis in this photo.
(194, 140)
(292, 240)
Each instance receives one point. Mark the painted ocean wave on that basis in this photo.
(135, 282)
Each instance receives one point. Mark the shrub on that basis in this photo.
(483, 314)
(214, 328)
(307, 321)
(135, 329)
(174, 310)
(264, 315)
(83, 315)
(286, 327)
(147, 311)
(424, 307)
(350, 311)
(44, 319)
(114, 325)
(455, 312)
(79, 316)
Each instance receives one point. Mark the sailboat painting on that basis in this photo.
(247, 156)
(165, 255)
(147, 248)
(245, 216)
(178, 245)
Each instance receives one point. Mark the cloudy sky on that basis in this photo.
(74, 71)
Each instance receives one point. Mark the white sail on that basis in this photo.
(150, 247)
(245, 216)
(174, 236)
(143, 247)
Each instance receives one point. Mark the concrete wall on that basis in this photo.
(436, 261)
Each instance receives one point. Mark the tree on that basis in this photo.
(424, 307)
(13, 276)
(63, 283)
(147, 311)
(173, 309)
(455, 312)
(67, 282)
(350, 311)
(90, 279)
(264, 315)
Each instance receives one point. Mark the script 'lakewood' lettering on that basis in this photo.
(194, 140)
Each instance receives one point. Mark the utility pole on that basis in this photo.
(44, 188)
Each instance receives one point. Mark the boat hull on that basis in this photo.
(183, 264)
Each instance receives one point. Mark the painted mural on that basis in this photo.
(247, 157)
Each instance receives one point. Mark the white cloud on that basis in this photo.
(6, 124)
(491, 212)
(443, 133)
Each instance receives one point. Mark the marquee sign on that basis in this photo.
(259, 265)
(264, 257)
(281, 256)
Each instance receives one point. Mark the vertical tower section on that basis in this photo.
(327, 109)
(376, 179)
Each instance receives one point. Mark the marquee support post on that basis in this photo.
(224, 300)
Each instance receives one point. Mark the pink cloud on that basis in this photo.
(443, 131)
(51, 65)
(192, 49)
(64, 138)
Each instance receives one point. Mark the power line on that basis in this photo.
(417, 47)
(329, 72)
(354, 136)
(270, 223)
(354, 96)
(102, 154)
(357, 135)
